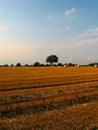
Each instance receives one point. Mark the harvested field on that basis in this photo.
(48, 98)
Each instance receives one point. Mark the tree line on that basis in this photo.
(51, 60)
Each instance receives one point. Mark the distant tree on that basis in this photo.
(6, 65)
(42, 65)
(47, 65)
(18, 65)
(90, 64)
(52, 59)
(71, 64)
(36, 64)
(60, 64)
(54, 64)
(12, 65)
(26, 65)
(65, 64)
(93, 64)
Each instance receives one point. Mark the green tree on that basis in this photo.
(12, 65)
(18, 65)
(52, 59)
(60, 64)
(36, 64)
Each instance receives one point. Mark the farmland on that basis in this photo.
(48, 98)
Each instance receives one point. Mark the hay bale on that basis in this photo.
(65, 66)
(77, 65)
(96, 66)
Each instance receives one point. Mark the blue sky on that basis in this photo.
(30, 30)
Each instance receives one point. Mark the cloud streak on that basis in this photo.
(70, 11)
(2, 29)
(75, 44)
(63, 29)
(91, 32)
(84, 42)
(19, 52)
(90, 58)
(51, 16)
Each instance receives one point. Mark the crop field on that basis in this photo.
(48, 98)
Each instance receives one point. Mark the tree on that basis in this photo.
(92, 64)
(12, 65)
(36, 64)
(18, 64)
(71, 64)
(52, 59)
(26, 65)
(6, 65)
(60, 64)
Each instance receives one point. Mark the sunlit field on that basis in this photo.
(48, 98)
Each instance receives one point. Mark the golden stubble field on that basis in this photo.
(48, 98)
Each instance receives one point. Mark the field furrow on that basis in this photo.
(42, 97)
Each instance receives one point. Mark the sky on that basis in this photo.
(31, 30)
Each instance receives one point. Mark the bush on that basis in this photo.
(18, 65)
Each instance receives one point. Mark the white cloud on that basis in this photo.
(88, 37)
(84, 42)
(90, 58)
(90, 32)
(72, 44)
(63, 29)
(46, 31)
(68, 12)
(2, 29)
(51, 16)
(19, 52)
(94, 30)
